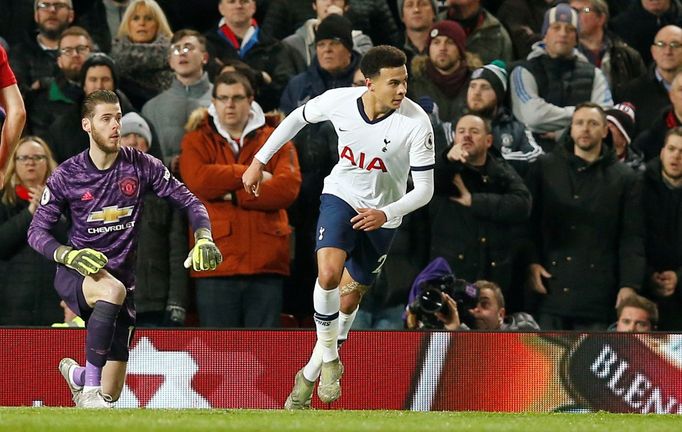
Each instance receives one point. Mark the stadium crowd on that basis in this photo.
(557, 129)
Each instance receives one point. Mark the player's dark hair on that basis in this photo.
(230, 78)
(382, 56)
(593, 105)
(96, 98)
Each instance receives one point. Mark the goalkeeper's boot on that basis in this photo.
(91, 399)
(329, 388)
(65, 366)
(301, 394)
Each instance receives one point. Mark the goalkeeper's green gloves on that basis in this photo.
(205, 255)
(85, 261)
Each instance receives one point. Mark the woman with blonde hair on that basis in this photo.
(140, 51)
(27, 294)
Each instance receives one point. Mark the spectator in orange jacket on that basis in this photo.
(251, 232)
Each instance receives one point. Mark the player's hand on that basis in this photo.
(368, 219)
(85, 261)
(537, 272)
(252, 177)
(205, 255)
(174, 316)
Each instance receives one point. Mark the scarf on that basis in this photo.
(244, 46)
(451, 84)
(22, 192)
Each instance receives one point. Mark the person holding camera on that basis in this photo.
(479, 201)
(454, 304)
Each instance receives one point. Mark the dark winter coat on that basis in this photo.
(476, 240)
(27, 293)
(663, 221)
(586, 230)
(648, 95)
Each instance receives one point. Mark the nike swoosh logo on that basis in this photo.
(343, 130)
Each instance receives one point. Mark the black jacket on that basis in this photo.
(650, 141)
(478, 241)
(663, 221)
(269, 55)
(27, 291)
(649, 97)
(163, 245)
(32, 63)
(638, 27)
(586, 230)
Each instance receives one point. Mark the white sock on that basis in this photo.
(311, 371)
(90, 388)
(326, 304)
(345, 323)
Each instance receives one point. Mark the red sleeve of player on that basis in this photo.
(6, 75)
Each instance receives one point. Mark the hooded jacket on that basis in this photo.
(251, 232)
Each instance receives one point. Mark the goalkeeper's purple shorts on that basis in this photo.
(69, 286)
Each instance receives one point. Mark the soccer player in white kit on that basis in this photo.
(382, 137)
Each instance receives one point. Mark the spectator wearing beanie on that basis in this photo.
(650, 141)
(418, 16)
(486, 37)
(333, 65)
(443, 74)
(537, 98)
(305, 37)
(621, 122)
(511, 139)
(161, 285)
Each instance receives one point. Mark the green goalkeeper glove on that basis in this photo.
(205, 255)
(85, 261)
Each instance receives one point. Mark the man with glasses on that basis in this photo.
(638, 24)
(190, 90)
(48, 104)
(33, 60)
(649, 92)
(252, 234)
(603, 48)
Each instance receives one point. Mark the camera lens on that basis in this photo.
(431, 300)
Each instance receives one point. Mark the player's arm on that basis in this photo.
(85, 261)
(11, 100)
(205, 254)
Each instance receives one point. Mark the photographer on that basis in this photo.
(488, 313)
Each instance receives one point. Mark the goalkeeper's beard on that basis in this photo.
(104, 144)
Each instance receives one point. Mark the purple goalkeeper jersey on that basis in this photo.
(105, 206)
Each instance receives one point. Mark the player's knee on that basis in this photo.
(328, 277)
(113, 291)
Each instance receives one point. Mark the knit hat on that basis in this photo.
(562, 13)
(336, 27)
(452, 30)
(496, 74)
(134, 123)
(622, 116)
(401, 2)
(99, 59)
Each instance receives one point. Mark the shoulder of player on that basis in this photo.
(337, 95)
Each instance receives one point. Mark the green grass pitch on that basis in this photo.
(166, 420)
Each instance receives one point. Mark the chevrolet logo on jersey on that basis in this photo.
(111, 214)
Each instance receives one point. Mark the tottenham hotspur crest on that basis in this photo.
(321, 236)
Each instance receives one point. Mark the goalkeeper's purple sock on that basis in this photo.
(101, 326)
(78, 376)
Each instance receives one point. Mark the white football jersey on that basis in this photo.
(375, 157)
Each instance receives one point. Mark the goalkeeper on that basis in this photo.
(101, 192)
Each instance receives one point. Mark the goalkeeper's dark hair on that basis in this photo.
(379, 57)
(97, 98)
